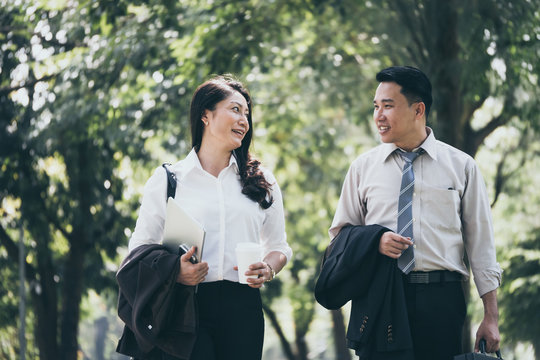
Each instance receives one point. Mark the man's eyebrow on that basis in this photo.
(384, 101)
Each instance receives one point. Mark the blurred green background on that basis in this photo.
(94, 95)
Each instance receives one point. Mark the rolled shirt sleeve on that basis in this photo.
(273, 235)
(350, 209)
(151, 219)
(478, 232)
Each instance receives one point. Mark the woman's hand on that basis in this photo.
(261, 270)
(191, 274)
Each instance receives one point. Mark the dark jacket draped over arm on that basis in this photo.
(353, 269)
(159, 313)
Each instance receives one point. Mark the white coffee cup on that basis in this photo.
(247, 253)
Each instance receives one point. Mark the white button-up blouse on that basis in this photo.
(217, 203)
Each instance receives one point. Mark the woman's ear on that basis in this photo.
(205, 118)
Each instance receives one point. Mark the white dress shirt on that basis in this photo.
(227, 215)
(451, 211)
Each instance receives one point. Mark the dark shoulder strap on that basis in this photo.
(171, 181)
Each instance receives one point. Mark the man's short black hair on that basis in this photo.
(415, 85)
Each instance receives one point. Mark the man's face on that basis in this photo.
(396, 121)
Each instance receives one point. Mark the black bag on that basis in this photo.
(479, 356)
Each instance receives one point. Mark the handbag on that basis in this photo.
(479, 355)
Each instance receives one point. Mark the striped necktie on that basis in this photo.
(405, 218)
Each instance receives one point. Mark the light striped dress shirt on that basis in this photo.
(451, 210)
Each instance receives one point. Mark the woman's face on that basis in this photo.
(227, 124)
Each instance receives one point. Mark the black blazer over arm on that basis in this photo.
(159, 313)
(353, 269)
(347, 265)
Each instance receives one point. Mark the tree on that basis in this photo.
(474, 52)
(94, 94)
(521, 286)
(63, 147)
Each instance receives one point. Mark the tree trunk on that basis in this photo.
(445, 69)
(285, 345)
(74, 271)
(45, 300)
(340, 343)
(72, 294)
(301, 345)
(536, 348)
(101, 326)
(44, 295)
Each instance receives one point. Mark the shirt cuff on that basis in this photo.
(488, 280)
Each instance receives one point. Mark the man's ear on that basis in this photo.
(420, 109)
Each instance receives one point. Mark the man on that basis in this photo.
(434, 199)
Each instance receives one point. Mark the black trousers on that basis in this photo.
(231, 322)
(436, 316)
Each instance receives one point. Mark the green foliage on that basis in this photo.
(520, 319)
(95, 94)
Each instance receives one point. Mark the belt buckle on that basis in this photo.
(419, 277)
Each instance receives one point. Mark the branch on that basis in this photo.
(484, 132)
(470, 107)
(500, 177)
(54, 221)
(67, 45)
(282, 339)
(13, 253)
(8, 29)
(6, 90)
(408, 21)
(480, 135)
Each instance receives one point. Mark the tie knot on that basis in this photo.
(410, 156)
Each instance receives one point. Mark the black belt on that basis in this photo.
(420, 277)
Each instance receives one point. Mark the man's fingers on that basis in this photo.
(403, 241)
(492, 346)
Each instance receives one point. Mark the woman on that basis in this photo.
(235, 200)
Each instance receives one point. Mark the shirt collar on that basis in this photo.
(192, 162)
(429, 146)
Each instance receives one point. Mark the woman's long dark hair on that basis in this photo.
(254, 184)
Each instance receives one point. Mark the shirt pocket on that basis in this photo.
(441, 208)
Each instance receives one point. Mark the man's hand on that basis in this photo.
(489, 328)
(191, 274)
(392, 244)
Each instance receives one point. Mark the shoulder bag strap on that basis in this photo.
(171, 181)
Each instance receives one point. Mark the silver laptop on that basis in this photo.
(182, 228)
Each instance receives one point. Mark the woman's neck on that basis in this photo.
(213, 161)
